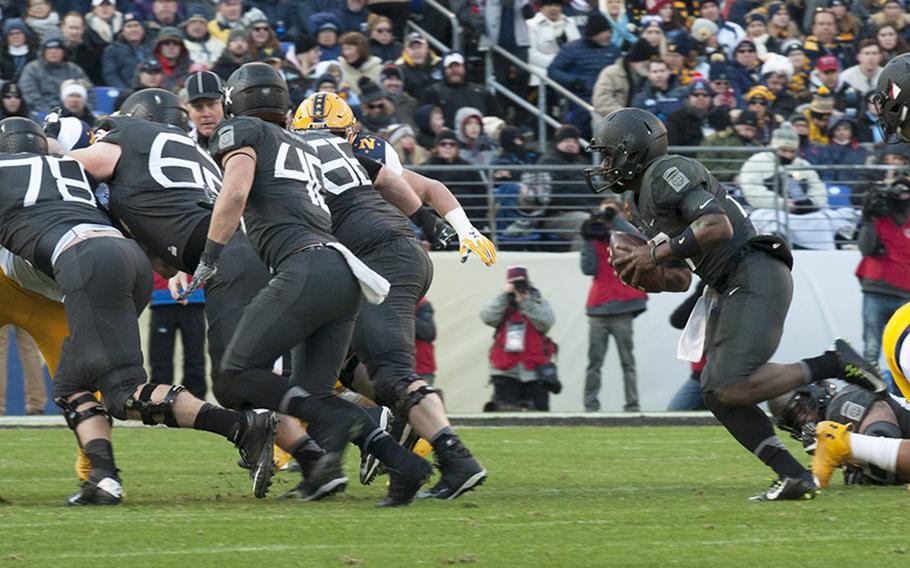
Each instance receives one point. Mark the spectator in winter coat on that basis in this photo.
(202, 47)
(356, 61)
(569, 198)
(842, 150)
(745, 71)
(118, 64)
(165, 14)
(690, 125)
(466, 185)
(658, 94)
(420, 67)
(455, 91)
(353, 15)
(41, 79)
(579, 62)
(11, 103)
(476, 147)
(393, 88)
(17, 49)
(41, 18)
(235, 54)
(617, 83)
(430, 122)
(327, 28)
(382, 40)
(84, 45)
(548, 31)
(105, 20)
(174, 58)
(74, 101)
(725, 166)
(148, 76)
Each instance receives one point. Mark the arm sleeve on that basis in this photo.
(539, 312)
(558, 69)
(588, 258)
(238, 132)
(698, 203)
(424, 326)
(492, 314)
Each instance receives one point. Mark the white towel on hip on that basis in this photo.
(375, 288)
(691, 344)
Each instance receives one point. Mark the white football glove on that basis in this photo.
(470, 239)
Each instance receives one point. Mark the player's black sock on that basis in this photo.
(440, 440)
(825, 366)
(333, 422)
(101, 454)
(385, 448)
(306, 450)
(215, 419)
(752, 428)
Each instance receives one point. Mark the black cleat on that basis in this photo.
(789, 489)
(460, 472)
(856, 370)
(106, 491)
(370, 466)
(256, 441)
(326, 478)
(405, 482)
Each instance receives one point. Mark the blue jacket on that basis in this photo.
(842, 155)
(119, 61)
(581, 60)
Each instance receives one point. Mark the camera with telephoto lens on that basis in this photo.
(598, 226)
(887, 200)
(521, 286)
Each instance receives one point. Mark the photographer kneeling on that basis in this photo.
(884, 272)
(521, 358)
(611, 307)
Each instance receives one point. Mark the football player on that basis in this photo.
(384, 336)
(161, 186)
(49, 217)
(690, 218)
(274, 181)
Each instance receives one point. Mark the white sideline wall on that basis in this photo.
(826, 304)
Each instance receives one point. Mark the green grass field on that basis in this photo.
(672, 496)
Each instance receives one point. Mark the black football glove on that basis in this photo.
(208, 266)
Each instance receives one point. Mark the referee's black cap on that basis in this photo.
(203, 85)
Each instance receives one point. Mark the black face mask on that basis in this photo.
(785, 161)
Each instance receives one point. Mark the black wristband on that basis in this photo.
(685, 245)
(426, 220)
(212, 252)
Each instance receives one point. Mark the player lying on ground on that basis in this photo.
(690, 218)
(49, 216)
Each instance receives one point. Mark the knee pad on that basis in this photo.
(408, 400)
(151, 411)
(74, 417)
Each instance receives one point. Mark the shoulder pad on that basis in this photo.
(237, 132)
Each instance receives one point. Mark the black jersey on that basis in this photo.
(160, 188)
(655, 210)
(41, 197)
(361, 219)
(285, 210)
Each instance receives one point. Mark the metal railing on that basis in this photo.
(540, 111)
(537, 207)
(457, 44)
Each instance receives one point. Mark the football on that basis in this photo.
(653, 281)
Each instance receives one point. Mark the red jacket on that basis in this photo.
(539, 348)
(894, 266)
(426, 358)
(607, 287)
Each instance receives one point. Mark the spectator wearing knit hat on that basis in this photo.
(234, 55)
(105, 20)
(548, 30)
(74, 101)
(671, 20)
(404, 142)
(780, 25)
(476, 147)
(376, 111)
(570, 204)
(849, 27)
(616, 84)
(382, 39)
(17, 49)
(689, 125)
(725, 165)
(327, 29)
(745, 70)
(679, 57)
(864, 75)
(202, 46)
(118, 64)
(759, 99)
(41, 79)
(757, 31)
(704, 32)
(579, 62)
(827, 74)
(826, 40)
(819, 115)
(799, 84)
(264, 44)
(776, 73)
(172, 54)
(390, 79)
(843, 149)
(307, 54)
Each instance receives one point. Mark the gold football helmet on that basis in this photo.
(325, 110)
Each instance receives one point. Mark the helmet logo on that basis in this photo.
(227, 95)
(895, 91)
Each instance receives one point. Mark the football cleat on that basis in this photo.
(460, 472)
(256, 442)
(405, 482)
(106, 491)
(370, 466)
(326, 478)
(832, 449)
(856, 370)
(789, 489)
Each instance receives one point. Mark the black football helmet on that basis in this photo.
(157, 105)
(19, 134)
(629, 139)
(800, 410)
(892, 97)
(257, 89)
